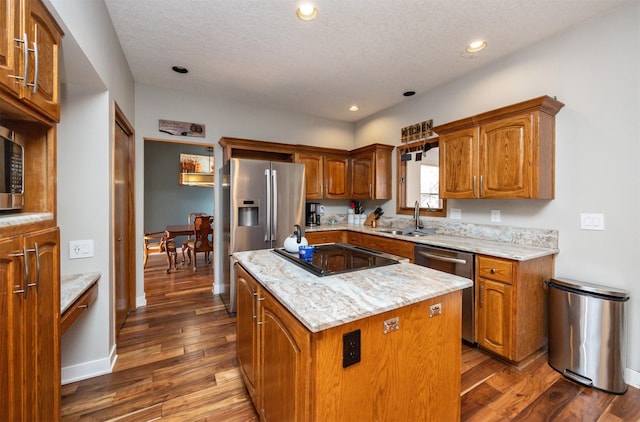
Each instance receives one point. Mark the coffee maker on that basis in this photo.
(313, 214)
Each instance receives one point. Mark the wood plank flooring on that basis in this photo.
(176, 362)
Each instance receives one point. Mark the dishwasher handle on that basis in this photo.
(443, 258)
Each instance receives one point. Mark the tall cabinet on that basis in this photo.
(29, 237)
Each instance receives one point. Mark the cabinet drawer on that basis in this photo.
(392, 246)
(495, 269)
(325, 237)
(78, 307)
(354, 238)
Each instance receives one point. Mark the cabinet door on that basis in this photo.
(12, 304)
(246, 330)
(336, 172)
(494, 312)
(313, 173)
(42, 322)
(285, 364)
(505, 158)
(30, 377)
(44, 32)
(9, 31)
(459, 164)
(362, 175)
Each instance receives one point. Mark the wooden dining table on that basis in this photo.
(171, 233)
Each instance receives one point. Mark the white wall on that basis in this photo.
(595, 70)
(222, 118)
(96, 75)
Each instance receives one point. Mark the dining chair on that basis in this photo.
(153, 243)
(202, 240)
(190, 220)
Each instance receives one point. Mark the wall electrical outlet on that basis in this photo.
(455, 214)
(80, 249)
(495, 216)
(591, 221)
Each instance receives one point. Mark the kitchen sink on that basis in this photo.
(390, 231)
(416, 234)
(408, 232)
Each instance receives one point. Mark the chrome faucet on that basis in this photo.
(416, 216)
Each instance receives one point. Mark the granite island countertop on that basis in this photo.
(497, 248)
(320, 303)
(73, 286)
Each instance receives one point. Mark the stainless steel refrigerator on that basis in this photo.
(261, 203)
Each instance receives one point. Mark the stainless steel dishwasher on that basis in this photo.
(458, 263)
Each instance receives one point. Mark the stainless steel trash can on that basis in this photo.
(587, 333)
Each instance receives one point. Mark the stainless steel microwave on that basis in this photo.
(11, 171)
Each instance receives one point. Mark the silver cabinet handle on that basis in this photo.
(481, 186)
(25, 59)
(370, 191)
(37, 254)
(25, 280)
(474, 186)
(34, 85)
(443, 258)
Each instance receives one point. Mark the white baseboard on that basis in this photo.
(141, 301)
(632, 377)
(90, 369)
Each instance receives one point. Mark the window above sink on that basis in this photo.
(418, 179)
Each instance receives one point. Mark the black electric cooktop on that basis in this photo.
(337, 258)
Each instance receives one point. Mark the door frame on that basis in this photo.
(129, 242)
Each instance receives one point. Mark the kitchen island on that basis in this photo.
(376, 344)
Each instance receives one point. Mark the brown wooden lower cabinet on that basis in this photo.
(511, 307)
(29, 324)
(402, 248)
(412, 373)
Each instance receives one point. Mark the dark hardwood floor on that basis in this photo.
(176, 362)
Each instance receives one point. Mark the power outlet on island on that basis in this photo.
(350, 348)
(80, 249)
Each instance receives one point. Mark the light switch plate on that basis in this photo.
(590, 221)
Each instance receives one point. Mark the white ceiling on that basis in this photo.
(365, 52)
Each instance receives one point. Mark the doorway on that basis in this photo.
(169, 197)
(124, 220)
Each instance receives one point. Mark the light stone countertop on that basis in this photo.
(10, 220)
(325, 302)
(495, 248)
(73, 286)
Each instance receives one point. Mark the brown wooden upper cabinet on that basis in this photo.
(29, 52)
(371, 172)
(326, 173)
(504, 153)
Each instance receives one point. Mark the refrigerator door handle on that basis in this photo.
(267, 187)
(274, 220)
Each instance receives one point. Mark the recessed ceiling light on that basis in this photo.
(409, 93)
(476, 46)
(180, 69)
(354, 108)
(307, 12)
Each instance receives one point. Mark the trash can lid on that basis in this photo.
(590, 287)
